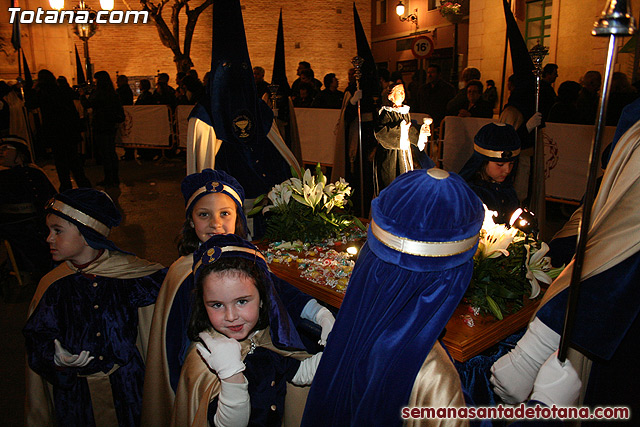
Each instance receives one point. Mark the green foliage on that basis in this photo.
(499, 285)
(299, 222)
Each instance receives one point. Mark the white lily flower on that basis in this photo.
(307, 179)
(296, 185)
(329, 189)
(339, 200)
(329, 205)
(275, 195)
(286, 194)
(537, 266)
(494, 238)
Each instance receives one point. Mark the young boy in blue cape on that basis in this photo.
(86, 340)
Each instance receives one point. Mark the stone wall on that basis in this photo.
(318, 32)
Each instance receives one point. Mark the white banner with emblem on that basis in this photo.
(317, 127)
(145, 126)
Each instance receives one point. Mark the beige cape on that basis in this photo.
(437, 385)
(157, 395)
(199, 385)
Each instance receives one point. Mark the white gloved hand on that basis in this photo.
(325, 319)
(65, 359)
(514, 373)
(425, 133)
(534, 121)
(307, 370)
(357, 96)
(221, 354)
(556, 384)
(405, 144)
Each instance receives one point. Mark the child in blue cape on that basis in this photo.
(213, 204)
(85, 338)
(237, 373)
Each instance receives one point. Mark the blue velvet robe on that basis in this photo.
(97, 314)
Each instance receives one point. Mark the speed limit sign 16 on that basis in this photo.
(422, 47)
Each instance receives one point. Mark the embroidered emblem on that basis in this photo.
(242, 126)
(214, 187)
(211, 256)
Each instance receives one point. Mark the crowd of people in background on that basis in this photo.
(428, 92)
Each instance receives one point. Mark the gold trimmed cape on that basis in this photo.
(157, 394)
(199, 385)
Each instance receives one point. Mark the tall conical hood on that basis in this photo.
(80, 79)
(369, 82)
(279, 76)
(15, 32)
(27, 72)
(233, 104)
(523, 94)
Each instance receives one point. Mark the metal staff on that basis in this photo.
(537, 202)
(616, 20)
(273, 91)
(357, 64)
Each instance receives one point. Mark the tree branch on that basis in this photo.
(171, 37)
(192, 19)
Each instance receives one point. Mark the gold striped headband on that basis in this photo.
(425, 249)
(213, 254)
(506, 154)
(214, 187)
(79, 216)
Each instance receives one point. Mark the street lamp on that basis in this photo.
(413, 17)
(85, 31)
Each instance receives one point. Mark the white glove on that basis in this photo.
(404, 135)
(425, 133)
(325, 319)
(556, 384)
(64, 358)
(234, 405)
(221, 354)
(534, 121)
(357, 96)
(514, 373)
(307, 370)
